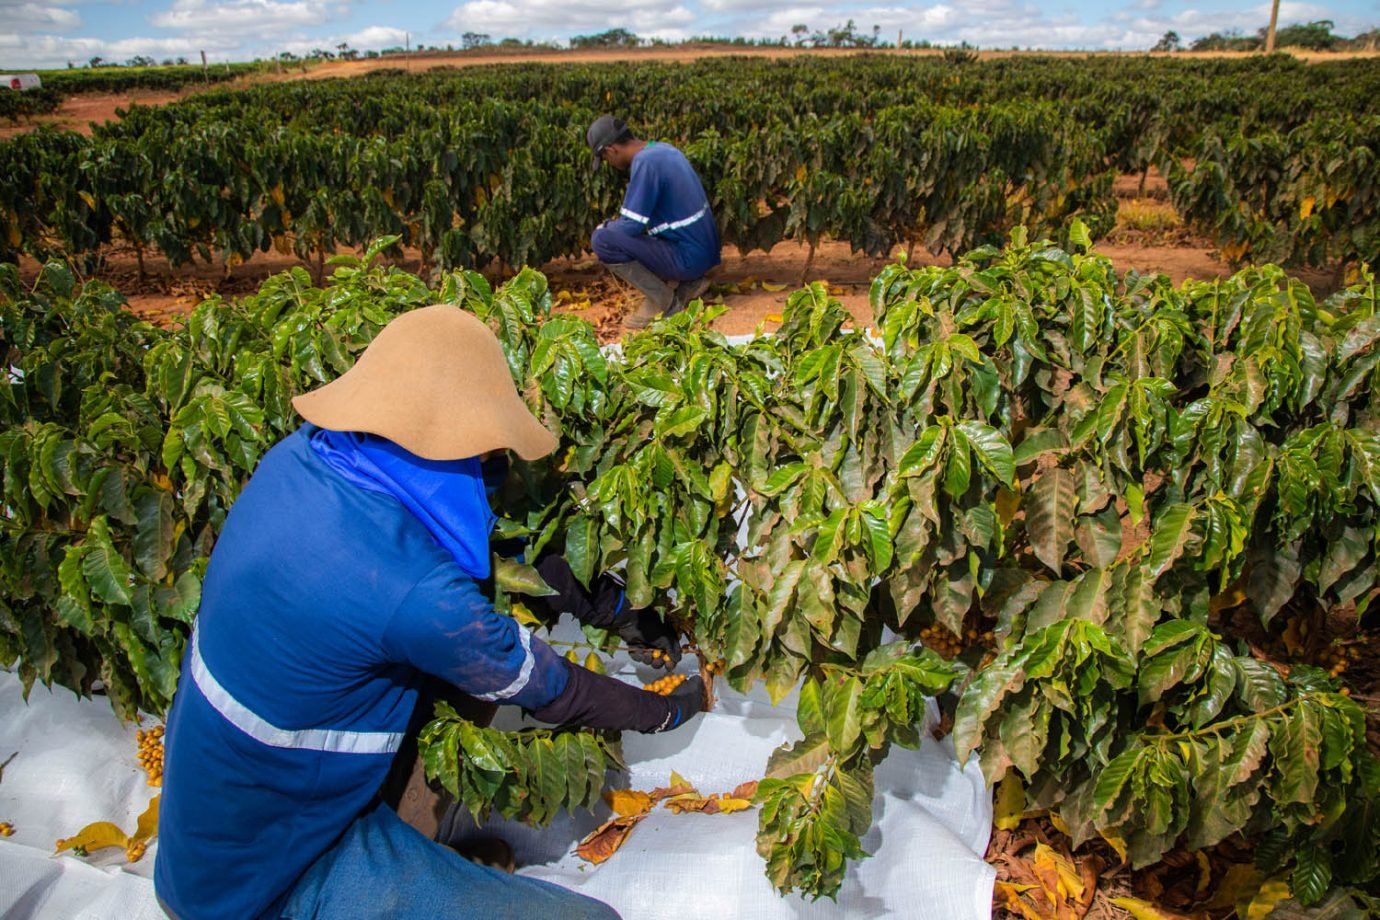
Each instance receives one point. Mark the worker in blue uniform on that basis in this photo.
(345, 574)
(664, 240)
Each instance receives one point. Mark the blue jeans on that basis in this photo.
(382, 868)
(613, 247)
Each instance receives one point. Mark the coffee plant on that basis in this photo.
(485, 164)
(1087, 482)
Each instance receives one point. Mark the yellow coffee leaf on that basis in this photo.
(572, 656)
(1059, 824)
(1008, 895)
(1141, 910)
(773, 288)
(1238, 879)
(1009, 805)
(628, 801)
(1234, 596)
(1115, 842)
(578, 305)
(1306, 207)
(97, 836)
(563, 296)
(775, 318)
(519, 612)
(1070, 883)
(728, 805)
(276, 193)
(594, 663)
(1270, 894)
(678, 780)
(836, 291)
(1204, 873)
(147, 827)
(801, 173)
(86, 197)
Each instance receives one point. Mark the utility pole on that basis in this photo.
(205, 71)
(407, 43)
(1270, 32)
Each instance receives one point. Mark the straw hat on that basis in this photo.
(435, 382)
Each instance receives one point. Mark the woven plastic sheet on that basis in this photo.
(932, 819)
(931, 825)
(74, 764)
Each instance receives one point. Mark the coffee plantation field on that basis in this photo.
(1125, 529)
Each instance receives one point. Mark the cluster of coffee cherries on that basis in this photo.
(948, 645)
(134, 851)
(6, 829)
(151, 754)
(660, 657)
(664, 685)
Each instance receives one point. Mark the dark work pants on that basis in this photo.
(613, 247)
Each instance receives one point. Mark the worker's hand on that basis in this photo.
(686, 701)
(650, 640)
(601, 607)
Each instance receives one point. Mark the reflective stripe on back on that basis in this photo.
(676, 225)
(306, 739)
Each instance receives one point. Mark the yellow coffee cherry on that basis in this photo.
(6, 829)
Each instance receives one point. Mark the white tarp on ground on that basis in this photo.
(76, 765)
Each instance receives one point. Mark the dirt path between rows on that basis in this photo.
(754, 287)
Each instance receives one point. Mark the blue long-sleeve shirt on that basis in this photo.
(666, 199)
(321, 604)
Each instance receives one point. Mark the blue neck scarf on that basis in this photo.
(447, 496)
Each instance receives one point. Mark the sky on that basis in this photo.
(37, 34)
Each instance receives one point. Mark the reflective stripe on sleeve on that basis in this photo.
(524, 675)
(633, 215)
(306, 739)
(676, 225)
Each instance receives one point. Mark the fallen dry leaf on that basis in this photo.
(1009, 805)
(745, 790)
(729, 804)
(96, 836)
(686, 803)
(627, 802)
(1144, 910)
(147, 828)
(606, 840)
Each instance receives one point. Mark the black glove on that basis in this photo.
(606, 607)
(646, 634)
(596, 701)
(688, 700)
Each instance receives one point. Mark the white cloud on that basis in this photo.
(40, 52)
(375, 37)
(37, 17)
(524, 18)
(241, 17)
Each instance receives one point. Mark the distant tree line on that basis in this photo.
(1311, 36)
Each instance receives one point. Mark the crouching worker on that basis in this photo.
(664, 240)
(345, 574)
